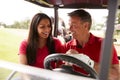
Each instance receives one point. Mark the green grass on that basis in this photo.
(9, 44)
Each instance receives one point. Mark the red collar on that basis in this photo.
(91, 40)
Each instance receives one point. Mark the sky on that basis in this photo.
(14, 10)
(18, 10)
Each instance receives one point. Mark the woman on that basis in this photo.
(40, 42)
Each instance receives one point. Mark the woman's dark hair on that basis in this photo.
(33, 38)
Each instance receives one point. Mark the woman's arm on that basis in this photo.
(22, 59)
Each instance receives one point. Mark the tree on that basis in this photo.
(118, 17)
(21, 25)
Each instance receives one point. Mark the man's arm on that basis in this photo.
(114, 73)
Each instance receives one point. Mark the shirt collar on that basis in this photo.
(90, 41)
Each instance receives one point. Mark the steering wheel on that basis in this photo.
(70, 59)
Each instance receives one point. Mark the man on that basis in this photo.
(85, 42)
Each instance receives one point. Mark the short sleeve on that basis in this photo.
(59, 46)
(115, 59)
(22, 48)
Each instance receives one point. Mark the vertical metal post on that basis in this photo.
(106, 53)
(56, 20)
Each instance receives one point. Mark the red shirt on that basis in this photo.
(41, 52)
(92, 49)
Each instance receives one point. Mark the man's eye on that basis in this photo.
(49, 26)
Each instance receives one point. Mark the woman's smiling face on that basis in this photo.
(44, 28)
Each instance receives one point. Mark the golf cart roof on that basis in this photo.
(91, 4)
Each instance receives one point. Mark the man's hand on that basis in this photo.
(81, 57)
(72, 51)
